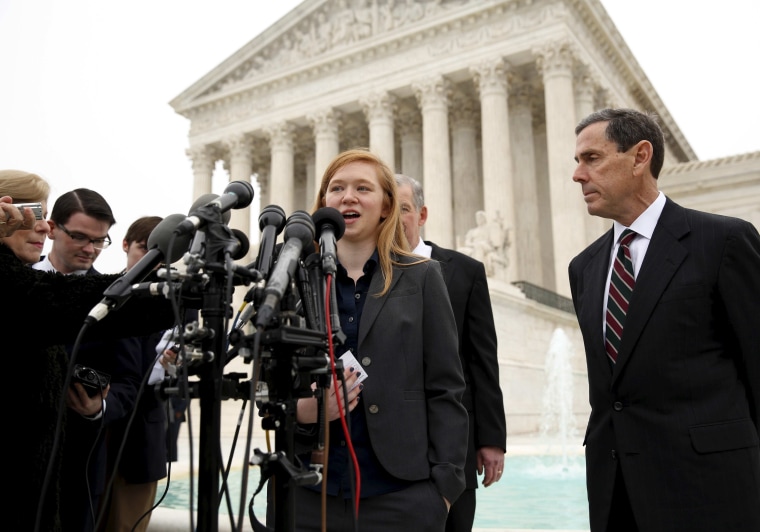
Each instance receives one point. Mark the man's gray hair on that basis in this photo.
(417, 195)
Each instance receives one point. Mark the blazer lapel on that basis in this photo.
(374, 304)
(664, 256)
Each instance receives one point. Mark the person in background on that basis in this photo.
(79, 224)
(137, 449)
(467, 285)
(26, 243)
(410, 435)
(674, 370)
(37, 348)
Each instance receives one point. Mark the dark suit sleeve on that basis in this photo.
(125, 379)
(444, 386)
(481, 364)
(739, 286)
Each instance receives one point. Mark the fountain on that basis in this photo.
(557, 426)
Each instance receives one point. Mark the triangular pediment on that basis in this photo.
(314, 29)
(336, 39)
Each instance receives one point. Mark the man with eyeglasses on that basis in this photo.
(79, 224)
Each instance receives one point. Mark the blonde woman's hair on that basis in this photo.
(23, 187)
(391, 241)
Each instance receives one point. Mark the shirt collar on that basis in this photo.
(644, 225)
(423, 249)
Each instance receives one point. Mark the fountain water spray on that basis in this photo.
(557, 420)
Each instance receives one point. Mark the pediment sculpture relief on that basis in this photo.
(338, 23)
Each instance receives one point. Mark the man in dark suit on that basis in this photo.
(468, 292)
(672, 439)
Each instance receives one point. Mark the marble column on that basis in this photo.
(379, 110)
(490, 78)
(282, 180)
(555, 62)
(203, 159)
(263, 180)
(585, 90)
(240, 148)
(468, 189)
(546, 238)
(326, 125)
(353, 131)
(262, 158)
(433, 98)
(527, 239)
(409, 123)
(312, 181)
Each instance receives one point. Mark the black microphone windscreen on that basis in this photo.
(244, 192)
(331, 216)
(162, 237)
(205, 199)
(308, 249)
(245, 244)
(272, 215)
(300, 226)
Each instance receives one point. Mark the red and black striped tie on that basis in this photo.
(621, 288)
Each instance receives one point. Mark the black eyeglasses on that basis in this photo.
(82, 239)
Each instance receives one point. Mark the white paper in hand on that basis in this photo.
(349, 361)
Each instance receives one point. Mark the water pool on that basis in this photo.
(543, 492)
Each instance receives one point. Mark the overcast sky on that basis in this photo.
(85, 86)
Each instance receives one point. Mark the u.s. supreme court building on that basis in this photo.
(479, 100)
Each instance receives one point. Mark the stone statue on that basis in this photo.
(488, 242)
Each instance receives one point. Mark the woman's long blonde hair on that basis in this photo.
(391, 241)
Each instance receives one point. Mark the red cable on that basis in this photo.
(340, 403)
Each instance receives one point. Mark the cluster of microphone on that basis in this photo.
(178, 235)
(301, 230)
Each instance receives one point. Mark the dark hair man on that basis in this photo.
(668, 302)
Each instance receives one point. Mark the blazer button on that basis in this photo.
(618, 406)
(613, 453)
(374, 409)
(366, 361)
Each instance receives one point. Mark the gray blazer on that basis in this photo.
(412, 397)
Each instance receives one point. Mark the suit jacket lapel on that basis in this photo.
(594, 280)
(442, 259)
(663, 258)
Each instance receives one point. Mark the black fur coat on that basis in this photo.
(40, 312)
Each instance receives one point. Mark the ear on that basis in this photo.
(423, 216)
(125, 245)
(51, 224)
(642, 156)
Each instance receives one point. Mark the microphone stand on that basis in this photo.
(210, 401)
(215, 310)
(289, 347)
(292, 343)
